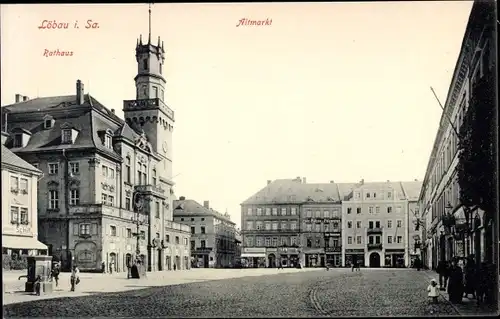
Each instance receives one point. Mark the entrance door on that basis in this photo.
(205, 261)
(128, 259)
(272, 261)
(374, 260)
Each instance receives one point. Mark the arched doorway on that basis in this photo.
(271, 260)
(128, 260)
(112, 261)
(374, 260)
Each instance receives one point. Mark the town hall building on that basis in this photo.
(96, 165)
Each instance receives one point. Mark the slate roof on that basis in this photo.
(89, 119)
(13, 160)
(284, 191)
(191, 207)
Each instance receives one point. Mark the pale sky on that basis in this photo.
(334, 91)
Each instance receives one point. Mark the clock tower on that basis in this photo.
(149, 112)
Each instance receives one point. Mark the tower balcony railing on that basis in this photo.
(150, 189)
(143, 104)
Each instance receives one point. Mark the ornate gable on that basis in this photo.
(142, 142)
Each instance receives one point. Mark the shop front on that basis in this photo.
(333, 256)
(201, 258)
(394, 258)
(255, 257)
(289, 257)
(355, 256)
(273, 258)
(314, 258)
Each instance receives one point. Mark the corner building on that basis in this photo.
(94, 163)
(213, 241)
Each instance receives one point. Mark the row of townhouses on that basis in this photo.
(90, 188)
(291, 222)
(471, 230)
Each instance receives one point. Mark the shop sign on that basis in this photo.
(333, 249)
(257, 250)
(272, 250)
(354, 251)
(334, 234)
(314, 251)
(395, 250)
(24, 230)
(203, 250)
(288, 251)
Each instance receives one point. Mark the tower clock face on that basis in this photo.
(165, 148)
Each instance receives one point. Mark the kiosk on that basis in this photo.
(39, 266)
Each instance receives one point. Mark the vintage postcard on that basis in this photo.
(334, 159)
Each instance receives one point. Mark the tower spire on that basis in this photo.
(149, 38)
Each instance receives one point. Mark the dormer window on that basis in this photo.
(108, 139)
(18, 140)
(48, 122)
(21, 137)
(68, 134)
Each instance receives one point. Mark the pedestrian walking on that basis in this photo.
(175, 267)
(38, 285)
(455, 283)
(417, 263)
(470, 278)
(55, 274)
(358, 265)
(103, 267)
(433, 291)
(75, 277)
(352, 266)
(111, 265)
(441, 270)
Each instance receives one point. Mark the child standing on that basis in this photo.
(433, 290)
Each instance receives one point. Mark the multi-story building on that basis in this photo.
(270, 221)
(412, 191)
(321, 230)
(375, 225)
(96, 166)
(19, 206)
(238, 241)
(213, 242)
(440, 192)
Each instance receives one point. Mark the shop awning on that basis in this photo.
(17, 242)
(253, 255)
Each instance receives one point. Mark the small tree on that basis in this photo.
(477, 175)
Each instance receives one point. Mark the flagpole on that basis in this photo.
(446, 114)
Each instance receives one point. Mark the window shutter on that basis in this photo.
(94, 229)
(75, 229)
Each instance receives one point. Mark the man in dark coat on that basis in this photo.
(455, 283)
(443, 272)
(470, 278)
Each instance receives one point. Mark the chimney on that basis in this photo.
(182, 198)
(416, 180)
(268, 181)
(25, 98)
(206, 204)
(331, 182)
(304, 180)
(113, 111)
(18, 98)
(79, 93)
(362, 181)
(388, 181)
(298, 179)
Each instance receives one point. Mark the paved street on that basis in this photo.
(266, 292)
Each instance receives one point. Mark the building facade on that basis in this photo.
(97, 167)
(213, 241)
(440, 191)
(340, 223)
(321, 231)
(19, 206)
(270, 222)
(376, 225)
